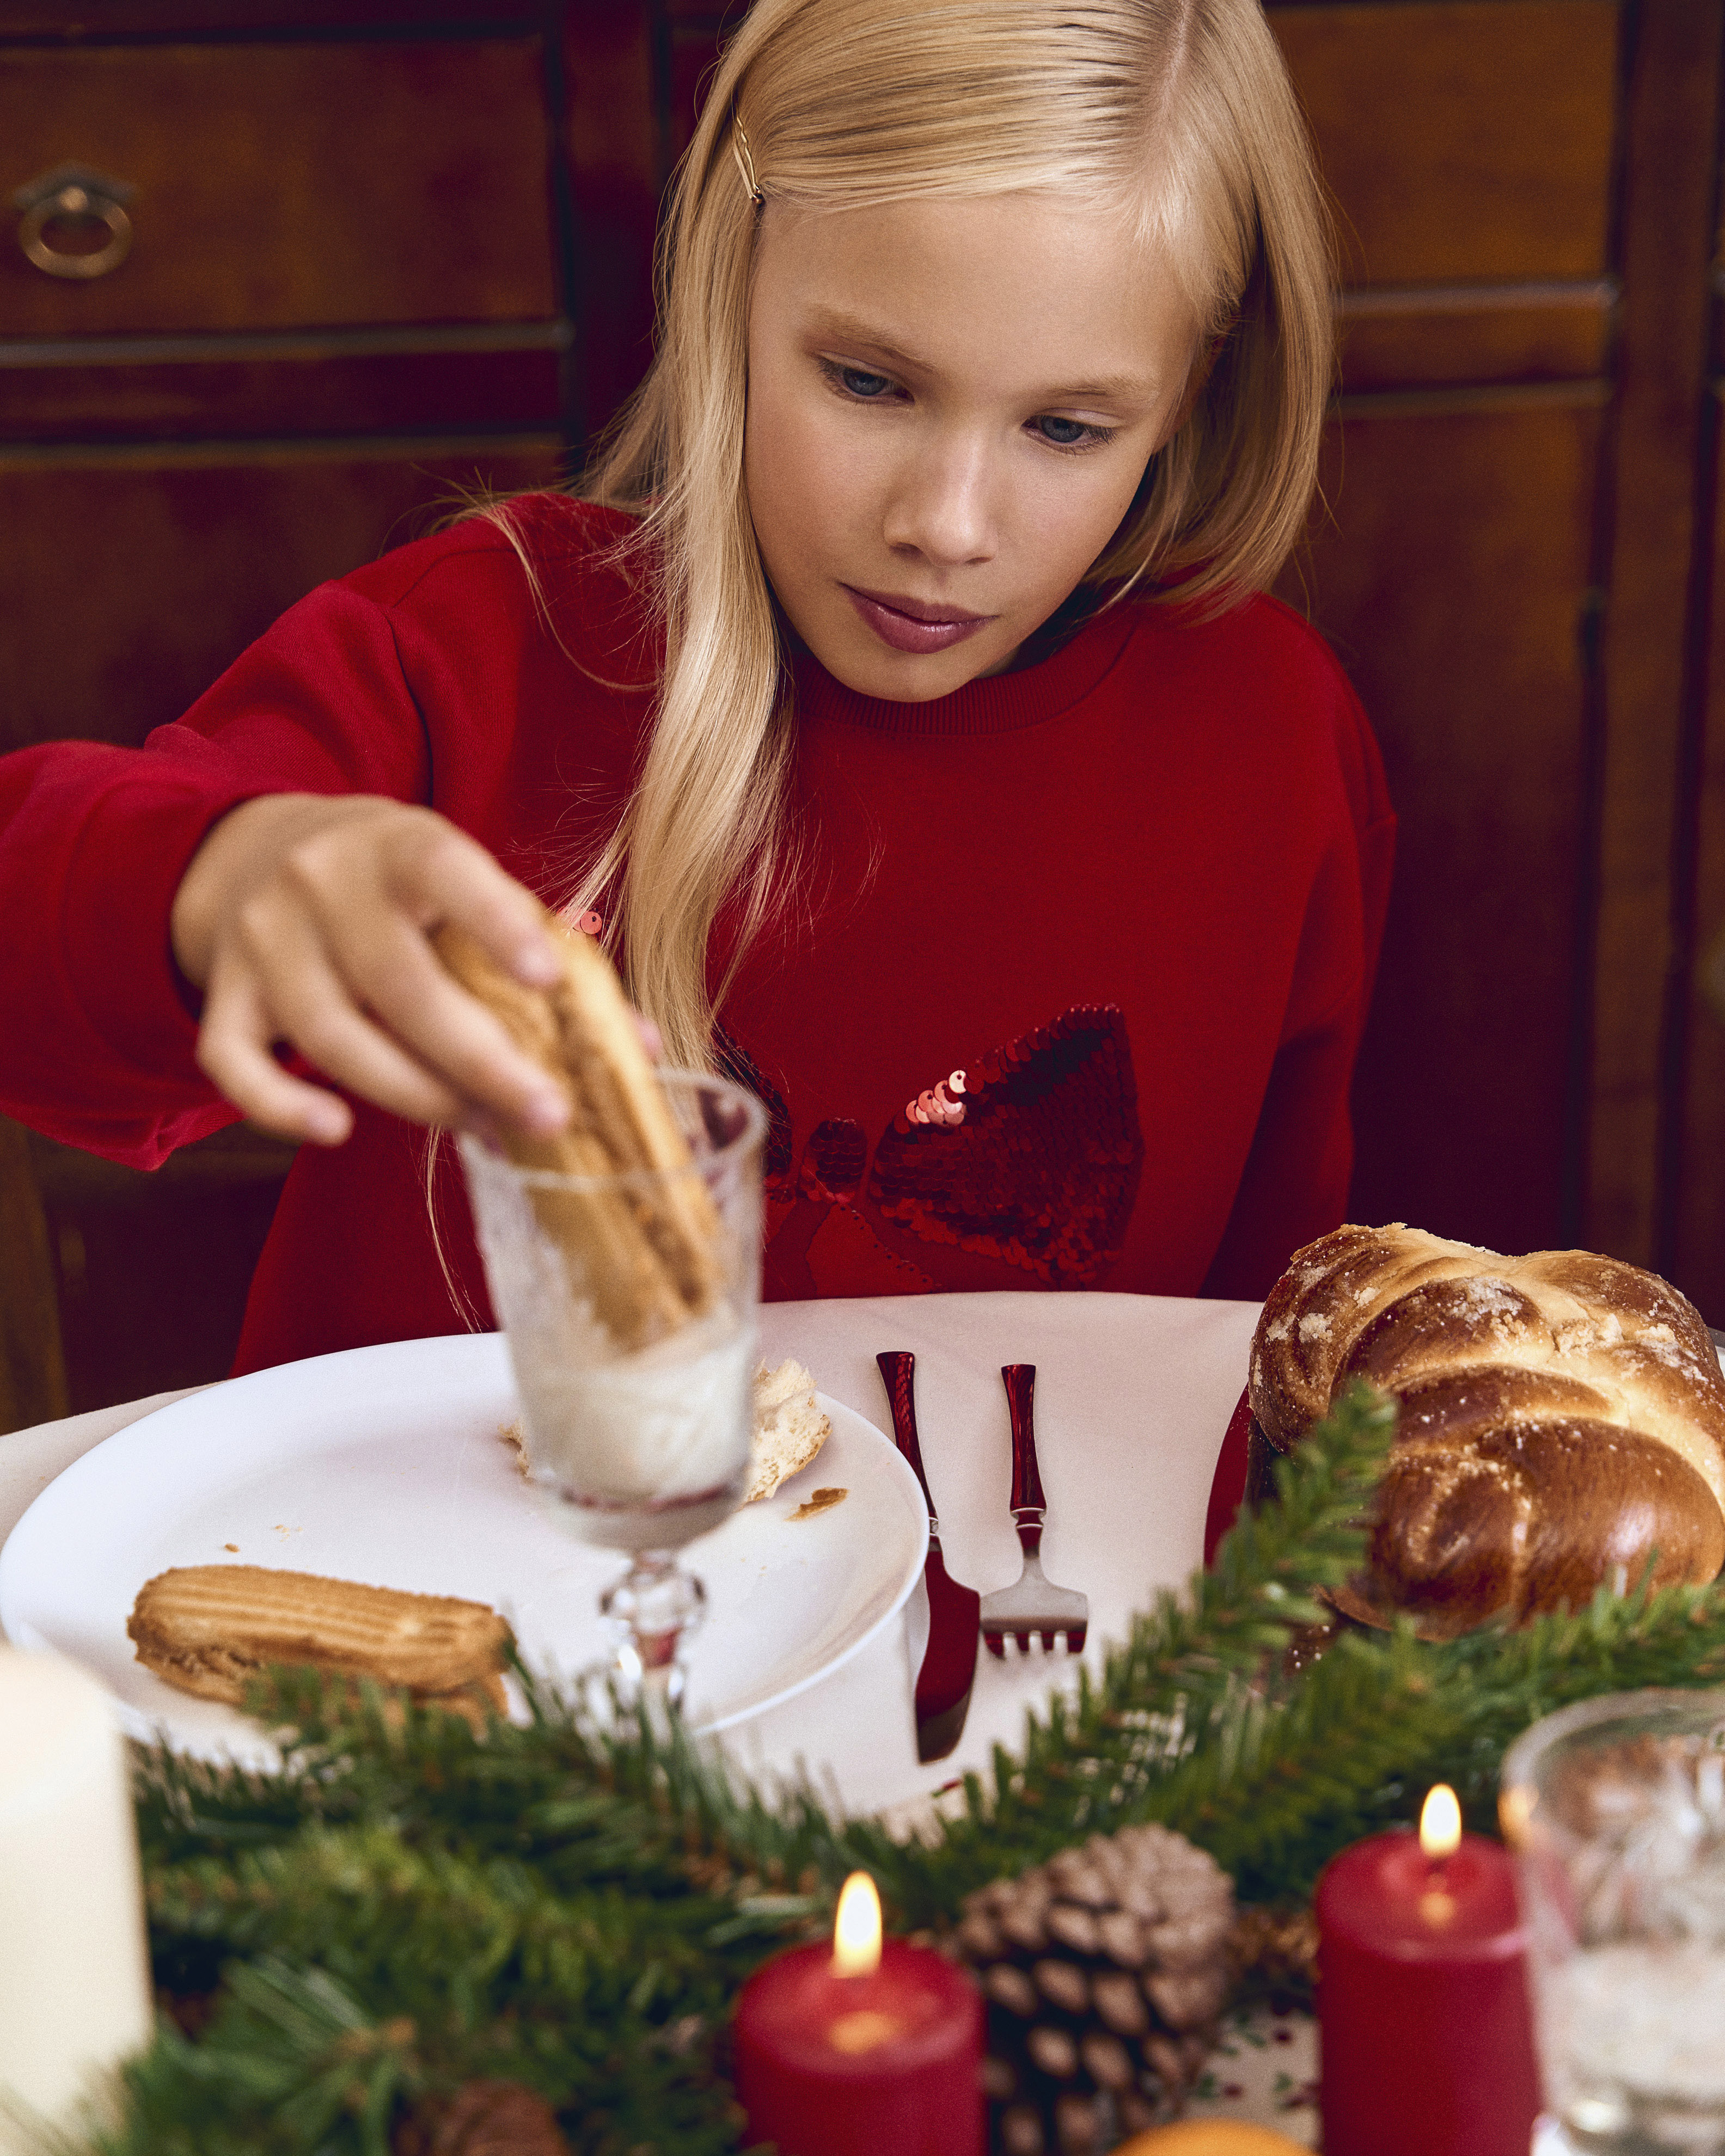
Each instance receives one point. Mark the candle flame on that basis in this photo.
(856, 1929)
(1440, 1823)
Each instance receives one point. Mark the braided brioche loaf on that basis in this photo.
(1562, 1415)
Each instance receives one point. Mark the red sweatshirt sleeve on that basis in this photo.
(94, 841)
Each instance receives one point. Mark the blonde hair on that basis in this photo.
(1176, 115)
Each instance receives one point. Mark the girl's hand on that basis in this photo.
(305, 918)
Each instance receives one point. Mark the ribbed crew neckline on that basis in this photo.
(1003, 704)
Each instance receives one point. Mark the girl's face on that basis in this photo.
(951, 405)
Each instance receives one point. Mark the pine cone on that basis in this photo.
(483, 2118)
(1105, 1970)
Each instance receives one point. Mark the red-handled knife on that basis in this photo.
(948, 1667)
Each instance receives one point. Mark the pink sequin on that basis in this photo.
(1030, 1155)
(1044, 1171)
(937, 1106)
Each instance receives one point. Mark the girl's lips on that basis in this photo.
(907, 632)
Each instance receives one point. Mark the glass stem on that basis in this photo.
(657, 1605)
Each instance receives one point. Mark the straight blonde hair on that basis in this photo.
(1175, 116)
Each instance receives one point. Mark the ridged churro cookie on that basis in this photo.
(647, 1256)
(210, 1629)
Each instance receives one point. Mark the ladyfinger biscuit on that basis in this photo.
(210, 1628)
(647, 1256)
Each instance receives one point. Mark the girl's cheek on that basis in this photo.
(817, 474)
(1078, 520)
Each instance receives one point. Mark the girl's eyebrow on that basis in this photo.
(1105, 389)
(828, 321)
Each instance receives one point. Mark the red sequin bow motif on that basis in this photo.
(1029, 1156)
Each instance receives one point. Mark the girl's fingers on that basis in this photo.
(233, 1053)
(364, 998)
(328, 951)
(360, 1057)
(400, 980)
(446, 876)
(284, 987)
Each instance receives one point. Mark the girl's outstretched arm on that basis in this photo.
(305, 920)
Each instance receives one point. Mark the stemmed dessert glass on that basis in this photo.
(1616, 1810)
(629, 1303)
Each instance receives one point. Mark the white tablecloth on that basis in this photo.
(1133, 1396)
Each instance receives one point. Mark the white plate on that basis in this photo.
(384, 1464)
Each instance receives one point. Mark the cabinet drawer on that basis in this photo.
(142, 574)
(282, 187)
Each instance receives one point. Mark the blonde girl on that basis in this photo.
(898, 695)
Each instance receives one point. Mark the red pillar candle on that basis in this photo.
(863, 2048)
(1427, 2043)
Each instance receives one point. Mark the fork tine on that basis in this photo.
(1034, 1613)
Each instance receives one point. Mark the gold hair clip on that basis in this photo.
(745, 161)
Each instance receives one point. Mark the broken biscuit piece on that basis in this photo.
(789, 1428)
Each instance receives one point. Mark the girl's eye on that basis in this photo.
(858, 380)
(1070, 433)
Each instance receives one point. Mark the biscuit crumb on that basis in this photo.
(234, 1547)
(822, 1501)
(516, 1438)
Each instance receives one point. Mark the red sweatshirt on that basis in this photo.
(1132, 893)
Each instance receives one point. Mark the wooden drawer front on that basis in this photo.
(126, 391)
(287, 186)
(1463, 142)
(1421, 339)
(194, 555)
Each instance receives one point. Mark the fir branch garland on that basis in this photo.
(405, 1907)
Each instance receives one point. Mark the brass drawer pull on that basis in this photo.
(73, 193)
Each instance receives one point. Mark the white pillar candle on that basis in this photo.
(75, 1979)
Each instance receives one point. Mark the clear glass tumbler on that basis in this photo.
(1616, 1810)
(629, 1304)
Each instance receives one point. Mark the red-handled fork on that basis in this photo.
(1033, 1605)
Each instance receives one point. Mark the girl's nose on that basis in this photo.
(942, 507)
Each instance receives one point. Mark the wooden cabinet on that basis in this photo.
(1470, 149)
(382, 251)
(342, 302)
(1511, 558)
